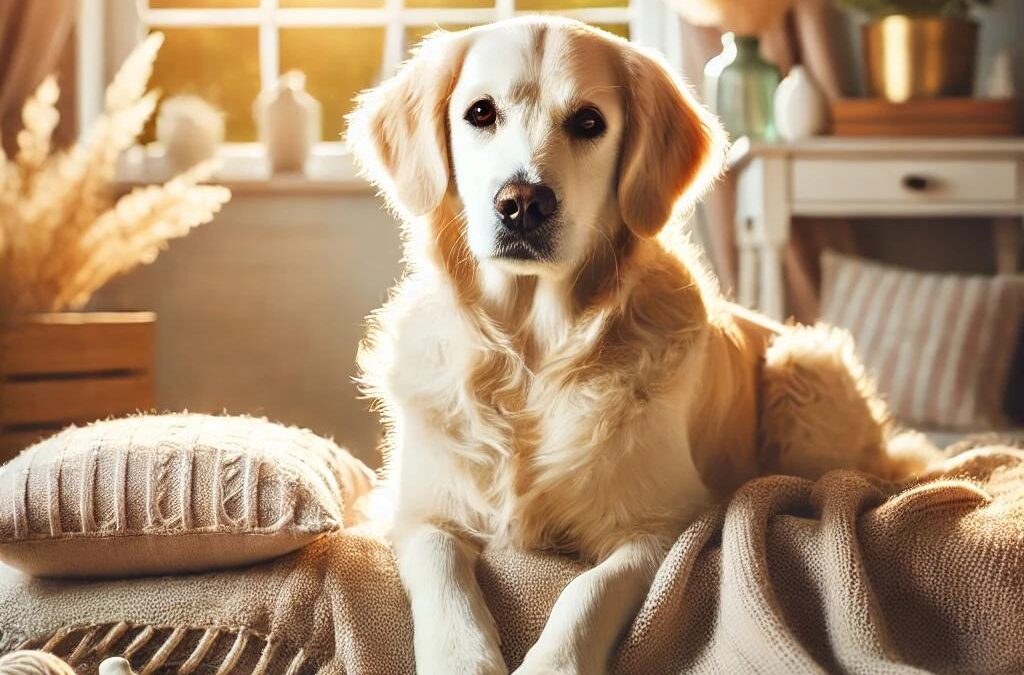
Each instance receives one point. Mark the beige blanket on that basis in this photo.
(843, 575)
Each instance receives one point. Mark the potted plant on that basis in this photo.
(919, 48)
(61, 238)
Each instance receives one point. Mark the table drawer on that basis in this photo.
(904, 181)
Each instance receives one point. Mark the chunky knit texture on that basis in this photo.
(171, 493)
(845, 575)
(33, 662)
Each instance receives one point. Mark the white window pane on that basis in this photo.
(220, 65)
(338, 63)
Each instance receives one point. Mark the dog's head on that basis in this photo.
(552, 135)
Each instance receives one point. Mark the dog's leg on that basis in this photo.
(454, 633)
(592, 612)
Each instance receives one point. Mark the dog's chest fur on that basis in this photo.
(544, 454)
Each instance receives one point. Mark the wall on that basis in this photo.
(1002, 27)
(261, 310)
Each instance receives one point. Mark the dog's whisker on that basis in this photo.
(441, 230)
(613, 253)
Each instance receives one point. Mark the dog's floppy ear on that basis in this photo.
(672, 148)
(398, 131)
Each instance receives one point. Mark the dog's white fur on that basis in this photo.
(595, 401)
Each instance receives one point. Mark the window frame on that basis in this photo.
(393, 16)
(109, 30)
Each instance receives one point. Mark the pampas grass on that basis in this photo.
(743, 17)
(61, 236)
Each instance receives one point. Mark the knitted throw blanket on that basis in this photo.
(844, 575)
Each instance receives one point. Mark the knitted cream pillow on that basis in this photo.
(171, 493)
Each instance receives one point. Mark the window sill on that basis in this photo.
(243, 167)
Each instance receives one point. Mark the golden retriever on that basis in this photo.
(556, 370)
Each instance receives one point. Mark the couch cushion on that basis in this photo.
(939, 345)
(171, 493)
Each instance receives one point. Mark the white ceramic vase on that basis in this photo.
(1000, 80)
(288, 119)
(190, 130)
(801, 110)
(713, 69)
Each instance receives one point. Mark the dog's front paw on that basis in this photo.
(554, 663)
(465, 658)
(462, 664)
(545, 669)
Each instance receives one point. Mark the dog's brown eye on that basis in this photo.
(586, 123)
(482, 113)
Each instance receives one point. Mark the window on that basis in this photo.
(228, 50)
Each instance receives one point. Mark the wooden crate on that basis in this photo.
(59, 369)
(939, 117)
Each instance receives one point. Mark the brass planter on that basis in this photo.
(920, 57)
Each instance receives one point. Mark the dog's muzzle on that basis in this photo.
(523, 207)
(526, 212)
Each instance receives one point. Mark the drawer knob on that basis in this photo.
(916, 183)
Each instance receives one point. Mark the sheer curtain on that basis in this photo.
(33, 38)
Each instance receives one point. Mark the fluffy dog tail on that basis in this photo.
(820, 411)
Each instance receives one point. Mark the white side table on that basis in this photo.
(867, 177)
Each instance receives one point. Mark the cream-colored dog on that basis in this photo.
(554, 371)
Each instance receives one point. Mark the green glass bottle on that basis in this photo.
(746, 91)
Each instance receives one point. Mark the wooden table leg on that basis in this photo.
(748, 266)
(762, 230)
(1007, 245)
(772, 301)
(776, 231)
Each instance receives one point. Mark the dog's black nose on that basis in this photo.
(525, 206)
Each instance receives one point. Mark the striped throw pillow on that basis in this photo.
(940, 346)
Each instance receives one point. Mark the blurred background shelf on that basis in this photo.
(937, 118)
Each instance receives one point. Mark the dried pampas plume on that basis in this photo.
(743, 17)
(61, 238)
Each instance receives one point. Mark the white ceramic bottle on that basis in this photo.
(801, 110)
(1000, 80)
(288, 119)
(190, 130)
(713, 69)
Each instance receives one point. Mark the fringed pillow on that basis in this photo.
(172, 493)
